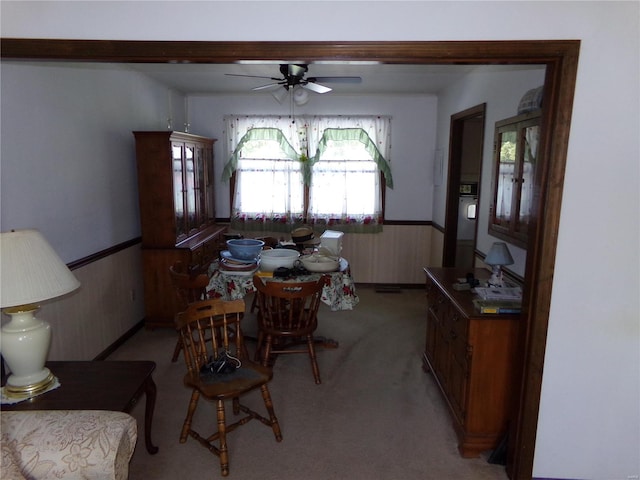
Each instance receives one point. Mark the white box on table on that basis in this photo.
(332, 241)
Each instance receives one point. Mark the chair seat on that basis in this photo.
(229, 385)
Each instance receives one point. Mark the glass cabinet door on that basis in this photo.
(190, 187)
(527, 175)
(515, 151)
(178, 188)
(201, 206)
(209, 187)
(506, 174)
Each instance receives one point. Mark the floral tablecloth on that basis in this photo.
(339, 294)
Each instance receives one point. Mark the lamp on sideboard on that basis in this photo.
(30, 272)
(498, 256)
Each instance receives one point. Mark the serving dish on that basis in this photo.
(320, 263)
(226, 255)
(245, 248)
(230, 264)
(275, 258)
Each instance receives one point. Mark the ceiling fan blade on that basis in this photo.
(315, 87)
(250, 76)
(336, 79)
(268, 85)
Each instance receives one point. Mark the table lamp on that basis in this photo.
(498, 256)
(30, 272)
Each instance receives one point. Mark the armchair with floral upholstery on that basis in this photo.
(55, 444)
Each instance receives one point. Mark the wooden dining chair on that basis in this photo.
(219, 369)
(188, 289)
(287, 319)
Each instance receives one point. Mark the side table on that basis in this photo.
(99, 385)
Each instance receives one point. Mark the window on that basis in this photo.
(278, 185)
(268, 181)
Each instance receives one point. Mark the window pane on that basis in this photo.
(273, 186)
(344, 181)
(262, 149)
(343, 187)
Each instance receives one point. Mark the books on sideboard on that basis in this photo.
(498, 306)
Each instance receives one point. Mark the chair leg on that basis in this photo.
(186, 426)
(254, 302)
(176, 351)
(257, 356)
(266, 351)
(222, 436)
(275, 426)
(314, 361)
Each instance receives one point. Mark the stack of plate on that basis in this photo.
(236, 266)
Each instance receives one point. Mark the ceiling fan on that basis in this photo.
(294, 75)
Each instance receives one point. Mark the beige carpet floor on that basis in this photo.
(376, 415)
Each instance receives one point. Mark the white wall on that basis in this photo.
(589, 416)
(502, 93)
(413, 130)
(67, 146)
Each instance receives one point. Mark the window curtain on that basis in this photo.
(304, 140)
(374, 133)
(278, 208)
(378, 129)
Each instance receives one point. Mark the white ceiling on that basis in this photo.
(376, 79)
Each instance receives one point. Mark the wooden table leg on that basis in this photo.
(150, 393)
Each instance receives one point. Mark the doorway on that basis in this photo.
(561, 60)
(466, 142)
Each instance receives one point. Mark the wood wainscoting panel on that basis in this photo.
(396, 255)
(109, 303)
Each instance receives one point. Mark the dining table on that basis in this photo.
(339, 293)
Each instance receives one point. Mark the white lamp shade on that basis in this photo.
(30, 270)
(499, 255)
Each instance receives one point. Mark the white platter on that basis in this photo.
(227, 254)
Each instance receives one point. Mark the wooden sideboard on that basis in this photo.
(471, 356)
(177, 214)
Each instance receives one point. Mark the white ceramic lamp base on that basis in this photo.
(25, 344)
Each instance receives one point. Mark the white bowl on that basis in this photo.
(320, 263)
(276, 258)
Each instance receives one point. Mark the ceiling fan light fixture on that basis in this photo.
(300, 96)
(280, 94)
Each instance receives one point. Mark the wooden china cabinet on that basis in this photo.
(177, 213)
(471, 356)
(514, 175)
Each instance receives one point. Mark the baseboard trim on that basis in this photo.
(552, 478)
(119, 342)
(394, 286)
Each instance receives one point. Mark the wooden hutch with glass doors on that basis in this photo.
(177, 214)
